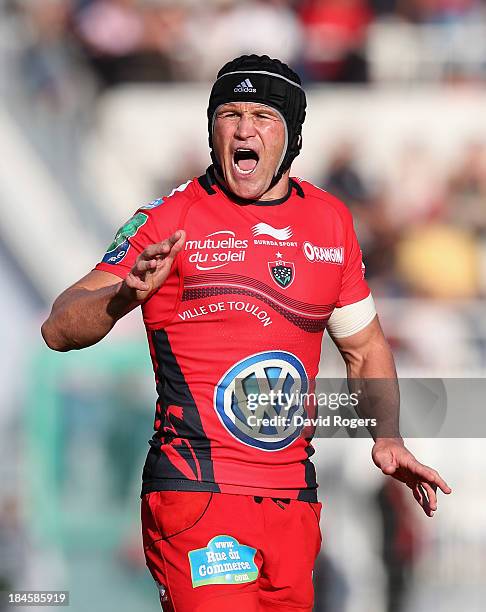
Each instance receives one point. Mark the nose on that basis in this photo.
(245, 128)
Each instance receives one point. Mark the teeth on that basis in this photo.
(236, 166)
(238, 169)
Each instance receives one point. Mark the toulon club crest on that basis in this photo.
(282, 272)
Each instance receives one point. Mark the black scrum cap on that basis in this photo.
(254, 78)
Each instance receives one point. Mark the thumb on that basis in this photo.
(386, 462)
(389, 468)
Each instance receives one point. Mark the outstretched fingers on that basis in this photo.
(169, 247)
(430, 476)
(431, 496)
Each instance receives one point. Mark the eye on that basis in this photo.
(264, 116)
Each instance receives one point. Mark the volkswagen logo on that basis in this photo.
(259, 375)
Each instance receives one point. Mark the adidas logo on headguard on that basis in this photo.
(245, 86)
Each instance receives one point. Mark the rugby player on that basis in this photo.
(238, 274)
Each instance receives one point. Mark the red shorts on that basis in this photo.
(216, 552)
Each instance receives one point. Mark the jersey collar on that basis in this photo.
(210, 184)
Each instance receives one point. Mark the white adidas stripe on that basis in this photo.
(273, 74)
(245, 84)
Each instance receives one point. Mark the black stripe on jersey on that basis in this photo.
(180, 424)
(206, 181)
(298, 188)
(309, 494)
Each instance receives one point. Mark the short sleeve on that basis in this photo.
(353, 285)
(130, 240)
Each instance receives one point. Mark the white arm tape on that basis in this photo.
(352, 318)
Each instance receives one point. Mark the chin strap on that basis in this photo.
(217, 168)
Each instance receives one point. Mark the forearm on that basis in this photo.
(82, 317)
(372, 375)
(374, 379)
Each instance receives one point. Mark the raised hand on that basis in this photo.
(152, 267)
(395, 460)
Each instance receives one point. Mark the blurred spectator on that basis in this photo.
(394, 50)
(335, 35)
(51, 91)
(446, 11)
(466, 205)
(378, 239)
(328, 40)
(432, 337)
(343, 179)
(330, 586)
(50, 62)
(401, 541)
(166, 36)
(234, 28)
(383, 7)
(416, 188)
(377, 235)
(110, 27)
(132, 40)
(439, 261)
(12, 545)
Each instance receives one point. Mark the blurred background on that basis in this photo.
(102, 109)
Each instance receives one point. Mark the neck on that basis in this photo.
(276, 192)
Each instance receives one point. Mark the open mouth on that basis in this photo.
(245, 160)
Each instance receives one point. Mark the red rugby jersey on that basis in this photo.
(242, 311)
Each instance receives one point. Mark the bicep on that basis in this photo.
(367, 353)
(358, 341)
